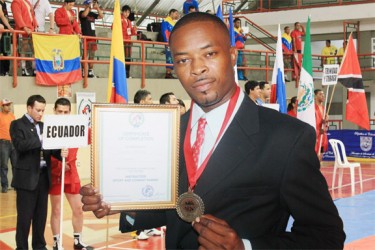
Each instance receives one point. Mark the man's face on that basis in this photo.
(320, 96)
(146, 100)
(36, 112)
(328, 44)
(126, 13)
(237, 24)
(69, 6)
(173, 99)
(297, 26)
(255, 93)
(6, 108)
(205, 66)
(174, 15)
(266, 91)
(62, 110)
(287, 30)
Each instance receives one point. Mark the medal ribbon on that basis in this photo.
(193, 173)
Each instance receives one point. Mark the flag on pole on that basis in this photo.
(117, 85)
(278, 94)
(305, 96)
(351, 77)
(219, 13)
(232, 41)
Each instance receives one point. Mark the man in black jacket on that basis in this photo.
(258, 167)
(32, 178)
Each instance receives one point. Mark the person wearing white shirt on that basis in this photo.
(42, 8)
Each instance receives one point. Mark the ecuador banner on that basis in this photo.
(57, 59)
(117, 85)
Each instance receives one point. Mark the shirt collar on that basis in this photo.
(30, 118)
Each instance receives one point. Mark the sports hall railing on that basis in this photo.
(255, 60)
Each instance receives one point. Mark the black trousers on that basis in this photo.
(32, 209)
(4, 64)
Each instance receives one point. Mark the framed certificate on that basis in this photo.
(134, 156)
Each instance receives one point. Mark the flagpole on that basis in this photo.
(62, 202)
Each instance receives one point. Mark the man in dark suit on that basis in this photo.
(32, 174)
(259, 166)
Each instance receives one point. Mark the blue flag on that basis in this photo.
(231, 28)
(219, 13)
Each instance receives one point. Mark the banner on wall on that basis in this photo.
(358, 143)
(84, 101)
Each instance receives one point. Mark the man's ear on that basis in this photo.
(233, 55)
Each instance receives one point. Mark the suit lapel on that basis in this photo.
(230, 152)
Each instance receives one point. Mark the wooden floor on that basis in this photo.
(104, 233)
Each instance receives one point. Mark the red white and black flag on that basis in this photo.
(351, 77)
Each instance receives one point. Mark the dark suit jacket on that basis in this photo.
(264, 170)
(28, 146)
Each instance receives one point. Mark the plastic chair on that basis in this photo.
(342, 162)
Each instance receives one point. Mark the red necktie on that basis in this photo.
(199, 140)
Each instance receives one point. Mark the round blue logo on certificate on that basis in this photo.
(136, 119)
(148, 191)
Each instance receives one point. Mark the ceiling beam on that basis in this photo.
(147, 12)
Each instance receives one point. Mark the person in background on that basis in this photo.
(87, 18)
(4, 24)
(166, 29)
(253, 91)
(265, 93)
(128, 30)
(7, 150)
(341, 51)
(182, 106)
(168, 98)
(190, 3)
(24, 18)
(262, 169)
(321, 146)
(297, 34)
(32, 174)
(192, 9)
(143, 96)
(292, 107)
(329, 50)
(72, 185)
(286, 40)
(66, 20)
(240, 39)
(42, 8)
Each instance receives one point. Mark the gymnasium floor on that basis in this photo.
(357, 211)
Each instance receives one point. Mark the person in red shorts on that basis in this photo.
(71, 189)
(87, 19)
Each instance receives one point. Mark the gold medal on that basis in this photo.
(189, 206)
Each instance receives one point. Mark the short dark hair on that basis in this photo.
(236, 19)
(191, 7)
(35, 98)
(293, 100)
(286, 27)
(262, 84)
(172, 11)
(181, 103)
(316, 91)
(329, 41)
(63, 102)
(141, 95)
(250, 85)
(126, 8)
(199, 17)
(165, 98)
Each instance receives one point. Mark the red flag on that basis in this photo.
(351, 77)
